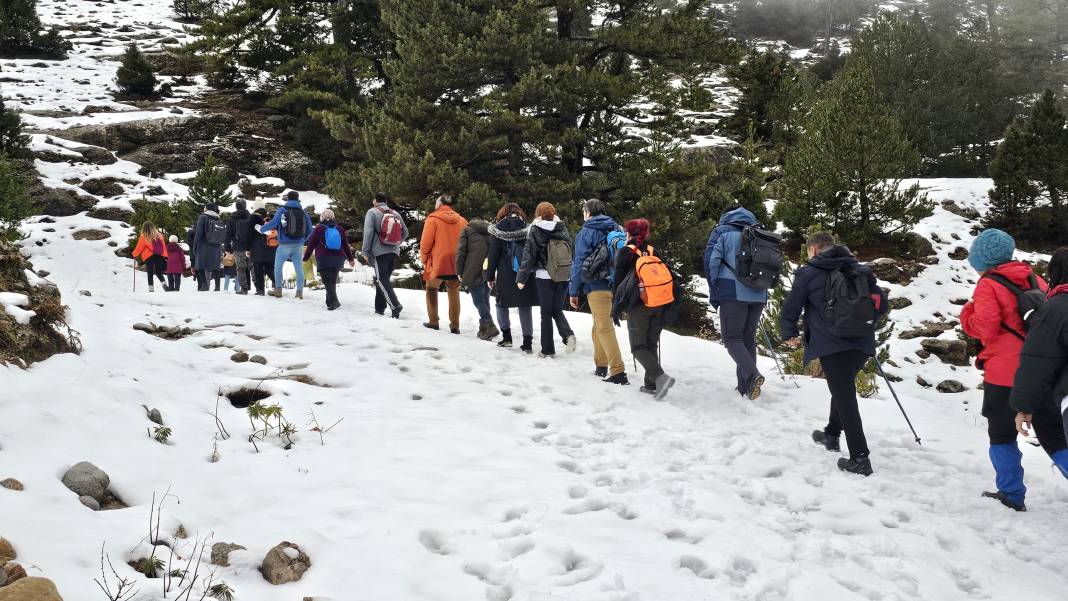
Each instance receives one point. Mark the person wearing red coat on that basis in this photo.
(175, 264)
(992, 316)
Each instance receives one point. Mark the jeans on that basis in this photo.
(329, 277)
(526, 319)
(739, 322)
(841, 370)
(551, 297)
(261, 271)
(452, 288)
(289, 252)
(386, 264)
(605, 346)
(226, 283)
(480, 297)
(174, 281)
(645, 325)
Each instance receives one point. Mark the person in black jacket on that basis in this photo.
(551, 295)
(841, 358)
(261, 254)
(239, 242)
(1040, 389)
(509, 236)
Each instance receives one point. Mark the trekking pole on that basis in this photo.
(775, 356)
(135, 274)
(891, 387)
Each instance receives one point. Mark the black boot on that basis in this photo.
(829, 442)
(620, 378)
(860, 466)
(528, 345)
(601, 372)
(506, 340)
(1007, 502)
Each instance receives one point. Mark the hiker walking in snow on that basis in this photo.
(229, 271)
(239, 242)
(176, 262)
(262, 251)
(209, 235)
(740, 305)
(151, 249)
(471, 253)
(1040, 389)
(993, 317)
(383, 233)
(648, 293)
(331, 249)
(293, 227)
(509, 235)
(596, 247)
(437, 252)
(841, 303)
(548, 255)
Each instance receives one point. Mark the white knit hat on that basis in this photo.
(173, 239)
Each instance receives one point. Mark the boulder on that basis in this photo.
(928, 329)
(30, 589)
(104, 186)
(239, 357)
(900, 302)
(258, 359)
(90, 234)
(959, 253)
(284, 563)
(220, 553)
(59, 203)
(96, 155)
(129, 135)
(951, 386)
(922, 382)
(11, 484)
(87, 480)
(111, 214)
(894, 271)
(13, 572)
(956, 209)
(917, 246)
(7, 552)
(953, 352)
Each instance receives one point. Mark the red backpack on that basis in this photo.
(391, 232)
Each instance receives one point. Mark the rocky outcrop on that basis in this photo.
(285, 563)
(953, 352)
(41, 337)
(928, 329)
(11, 484)
(894, 271)
(30, 589)
(57, 202)
(951, 387)
(956, 209)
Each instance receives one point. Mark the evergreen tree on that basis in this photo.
(210, 185)
(194, 10)
(1047, 161)
(21, 32)
(15, 203)
(13, 143)
(1013, 194)
(772, 91)
(135, 76)
(846, 170)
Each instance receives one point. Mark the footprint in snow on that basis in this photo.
(577, 492)
(510, 549)
(514, 514)
(434, 542)
(570, 466)
(697, 566)
(586, 506)
(541, 425)
(518, 409)
(683, 536)
(575, 568)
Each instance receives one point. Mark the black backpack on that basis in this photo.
(600, 264)
(759, 259)
(295, 223)
(849, 311)
(1028, 302)
(214, 232)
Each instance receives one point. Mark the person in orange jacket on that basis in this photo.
(437, 251)
(151, 249)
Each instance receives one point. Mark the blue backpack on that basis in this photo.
(333, 238)
(516, 249)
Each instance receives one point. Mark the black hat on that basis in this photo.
(241, 204)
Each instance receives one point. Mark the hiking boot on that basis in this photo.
(663, 384)
(601, 372)
(754, 387)
(395, 314)
(829, 442)
(491, 331)
(620, 378)
(299, 294)
(150, 288)
(431, 326)
(167, 288)
(528, 345)
(277, 293)
(506, 341)
(570, 343)
(242, 292)
(651, 390)
(260, 293)
(860, 466)
(544, 355)
(1007, 502)
(454, 330)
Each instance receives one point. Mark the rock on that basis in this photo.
(929, 329)
(239, 357)
(960, 302)
(951, 386)
(96, 155)
(922, 354)
(51, 156)
(959, 254)
(956, 209)
(900, 302)
(922, 382)
(252, 191)
(258, 359)
(918, 246)
(104, 186)
(13, 571)
(953, 352)
(11, 484)
(88, 480)
(153, 415)
(90, 502)
(30, 589)
(893, 271)
(284, 563)
(169, 40)
(3, 577)
(7, 551)
(85, 293)
(91, 234)
(59, 203)
(220, 553)
(110, 214)
(144, 327)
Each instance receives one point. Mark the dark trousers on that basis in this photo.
(841, 371)
(551, 298)
(260, 271)
(154, 267)
(739, 322)
(644, 326)
(480, 296)
(1001, 421)
(328, 276)
(174, 281)
(385, 264)
(205, 276)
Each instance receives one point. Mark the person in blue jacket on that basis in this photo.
(291, 239)
(598, 226)
(740, 306)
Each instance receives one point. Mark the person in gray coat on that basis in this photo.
(208, 241)
(471, 253)
(383, 249)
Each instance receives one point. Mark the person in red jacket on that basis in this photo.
(151, 249)
(175, 264)
(992, 316)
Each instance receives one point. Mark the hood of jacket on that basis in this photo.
(445, 214)
(510, 228)
(479, 225)
(1017, 272)
(554, 228)
(294, 204)
(602, 223)
(1063, 288)
(833, 258)
(739, 216)
(211, 214)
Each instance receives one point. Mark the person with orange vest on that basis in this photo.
(437, 251)
(151, 249)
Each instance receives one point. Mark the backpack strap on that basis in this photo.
(1016, 291)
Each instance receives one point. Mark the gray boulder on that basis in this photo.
(285, 563)
(87, 480)
(90, 502)
(220, 553)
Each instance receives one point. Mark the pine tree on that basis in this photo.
(772, 90)
(21, 32)
(846, 170)
(1047, 161)
(135, 76)
(15, 204)
(13, 142)
(194, 10)
(1013, 194)
(210, 185)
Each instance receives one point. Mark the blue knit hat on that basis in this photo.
(991, 248)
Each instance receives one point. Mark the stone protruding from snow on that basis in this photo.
(30, 589)
(13, 572)
(90, 502)
(239, 357)
(11, 484)
(7, 552)
(220, 553)
(258, 359)
(953, 352)
(284, 563)
(951, 386)
(87, 480)
(153, 415)
(927, 329)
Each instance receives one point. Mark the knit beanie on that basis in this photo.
(173, 239)
(991, 248)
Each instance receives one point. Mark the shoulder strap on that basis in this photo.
(1007, 283)
(1033, 280)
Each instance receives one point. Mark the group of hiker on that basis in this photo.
(517, 263)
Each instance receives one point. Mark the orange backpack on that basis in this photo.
(655, 282)
(272, 239)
